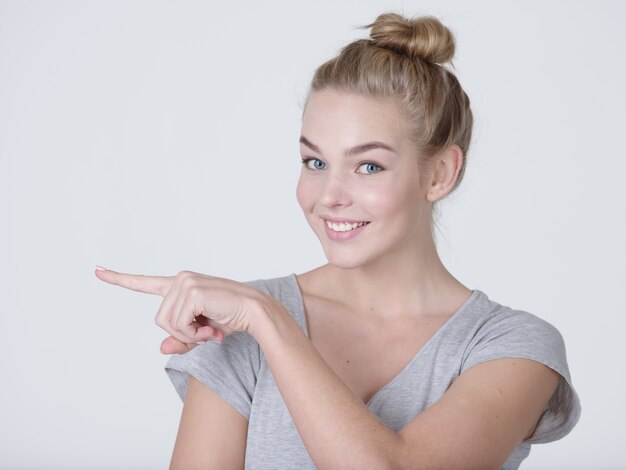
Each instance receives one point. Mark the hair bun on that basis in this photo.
(423, 37)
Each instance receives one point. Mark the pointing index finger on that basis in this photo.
(159, 285)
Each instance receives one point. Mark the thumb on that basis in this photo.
(171, 345)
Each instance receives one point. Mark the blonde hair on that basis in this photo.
(403, 60)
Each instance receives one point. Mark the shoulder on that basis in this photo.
(500, 328)
(504, 332)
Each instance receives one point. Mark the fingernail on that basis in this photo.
(100, 268)
(201, 342)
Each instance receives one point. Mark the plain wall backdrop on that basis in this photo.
(155, 136)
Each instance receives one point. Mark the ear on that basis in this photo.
(446, 169)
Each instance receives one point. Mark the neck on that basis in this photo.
(412, 281)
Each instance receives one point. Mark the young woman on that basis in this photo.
(380, 358)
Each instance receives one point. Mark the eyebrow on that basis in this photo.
(349, 152)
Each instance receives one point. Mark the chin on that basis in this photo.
(344, 266)
(343, 256)
(345, 259)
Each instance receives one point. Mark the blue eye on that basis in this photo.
(371, 168)
(318, 164)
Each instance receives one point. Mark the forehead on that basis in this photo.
(352, 118)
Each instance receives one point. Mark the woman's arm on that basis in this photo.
(477, 423)
(212, 434)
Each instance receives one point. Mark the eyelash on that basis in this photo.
(307, 160)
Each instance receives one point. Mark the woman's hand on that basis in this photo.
(196, 307)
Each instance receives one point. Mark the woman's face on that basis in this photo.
(371, 184)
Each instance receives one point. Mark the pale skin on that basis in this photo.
(381, 296)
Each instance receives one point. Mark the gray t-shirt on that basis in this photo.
(479, 331)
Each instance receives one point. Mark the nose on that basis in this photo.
(335, 191)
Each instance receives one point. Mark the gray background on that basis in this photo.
(154, 136)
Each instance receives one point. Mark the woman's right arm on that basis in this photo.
(212, 434)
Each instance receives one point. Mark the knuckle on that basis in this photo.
(188, 282)
(180, 325)
(193, 291)
(172, 327)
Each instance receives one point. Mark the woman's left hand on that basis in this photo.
(196, 307)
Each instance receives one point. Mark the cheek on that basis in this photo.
(385, 201)
(303, 193)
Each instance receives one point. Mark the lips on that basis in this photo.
(344, 227)
(342, 232)
(345, 220)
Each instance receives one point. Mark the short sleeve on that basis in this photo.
(230, 369)
(516, 333)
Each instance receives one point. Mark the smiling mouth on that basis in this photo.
(343, 226)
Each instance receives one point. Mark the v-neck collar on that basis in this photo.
(302, 315)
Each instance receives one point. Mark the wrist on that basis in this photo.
(264, 310)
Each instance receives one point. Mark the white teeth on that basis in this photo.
(342, 226)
